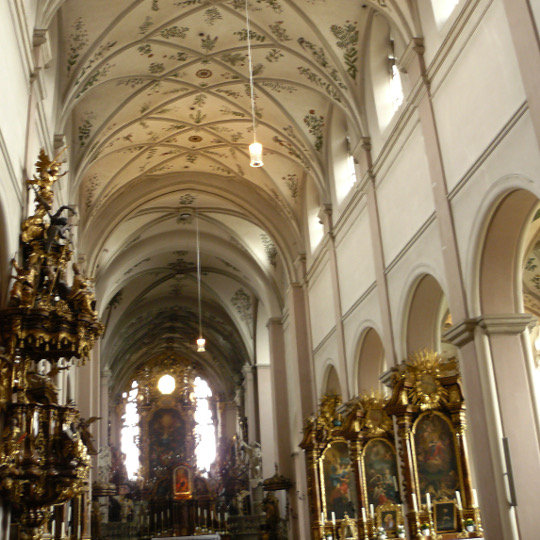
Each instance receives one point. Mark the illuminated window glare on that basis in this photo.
(396, 88)
(205, 432)
(130, 432)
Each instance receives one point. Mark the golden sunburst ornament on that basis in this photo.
(376, 419)
(425, 369)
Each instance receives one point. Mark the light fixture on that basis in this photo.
(166, 384)
(255, 148)
(201, 342)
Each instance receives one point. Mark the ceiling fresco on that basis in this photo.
(156, 104)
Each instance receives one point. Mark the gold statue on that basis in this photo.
(81, 294)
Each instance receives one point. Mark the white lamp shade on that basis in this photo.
(166, 384)
(201, 342)
(255, 154)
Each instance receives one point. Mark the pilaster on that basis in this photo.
(326, 217)
(378, 254)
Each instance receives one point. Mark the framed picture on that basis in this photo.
(389, 520)
(182, 482)
(338, 481)
(445, 516)
(388, 516)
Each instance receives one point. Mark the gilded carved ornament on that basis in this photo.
(45, 446)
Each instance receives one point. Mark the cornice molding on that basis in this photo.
(512, 323)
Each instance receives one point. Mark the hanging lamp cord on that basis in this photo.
(250, 67)
(198, 272)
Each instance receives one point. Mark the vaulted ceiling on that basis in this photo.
(155, 99)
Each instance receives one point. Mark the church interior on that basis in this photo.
(269, 269)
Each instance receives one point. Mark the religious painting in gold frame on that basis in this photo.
(379, 465)
(389, 516)
(337, 481)
(182, 482)
(445, 516)
(437, 469)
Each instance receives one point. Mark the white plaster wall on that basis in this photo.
(325, 356)
(354, 251)
(266, 419)
(293, 387)
(478, 95)
(15, 88)
(321, 307)
(423, 257)
(513, 164)
(404, 195)
(366, 315)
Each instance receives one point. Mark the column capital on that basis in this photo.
(462, 333)
(106, 373)
(247, 370)
(506, 323)
(274, 321)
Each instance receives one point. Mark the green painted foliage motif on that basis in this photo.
(315, 124)
(347, 39)
(279, 32)
(242, 35)
(174, 32)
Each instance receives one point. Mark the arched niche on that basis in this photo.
(370, 363)
(331, 383)
(427, 316)
(506, 329)
(500, 285)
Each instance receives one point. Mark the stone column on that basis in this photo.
(301, 341)
(483, 429)
(267, 421)
(104, 407)
(5, 520)
(280, 396)
(326, 217)
(378, 256)
(510, 363)
(229, 419)
(250, 405)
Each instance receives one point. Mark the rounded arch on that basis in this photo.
(499, 270)
(330, 382)
(370, 361)
(425, 315)
(498, 191)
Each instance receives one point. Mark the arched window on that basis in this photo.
(315, 227)
(442, 9)
(385, 76)
(129, 435)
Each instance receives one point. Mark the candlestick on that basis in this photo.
(458, 500)
(428, 501)
(53, 529)
(364, 514)
(395, 484)
(63, 530)
(414, 504)
(474, 499)
(322, 517)
(372, 511)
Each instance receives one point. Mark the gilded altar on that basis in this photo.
(391, 466)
